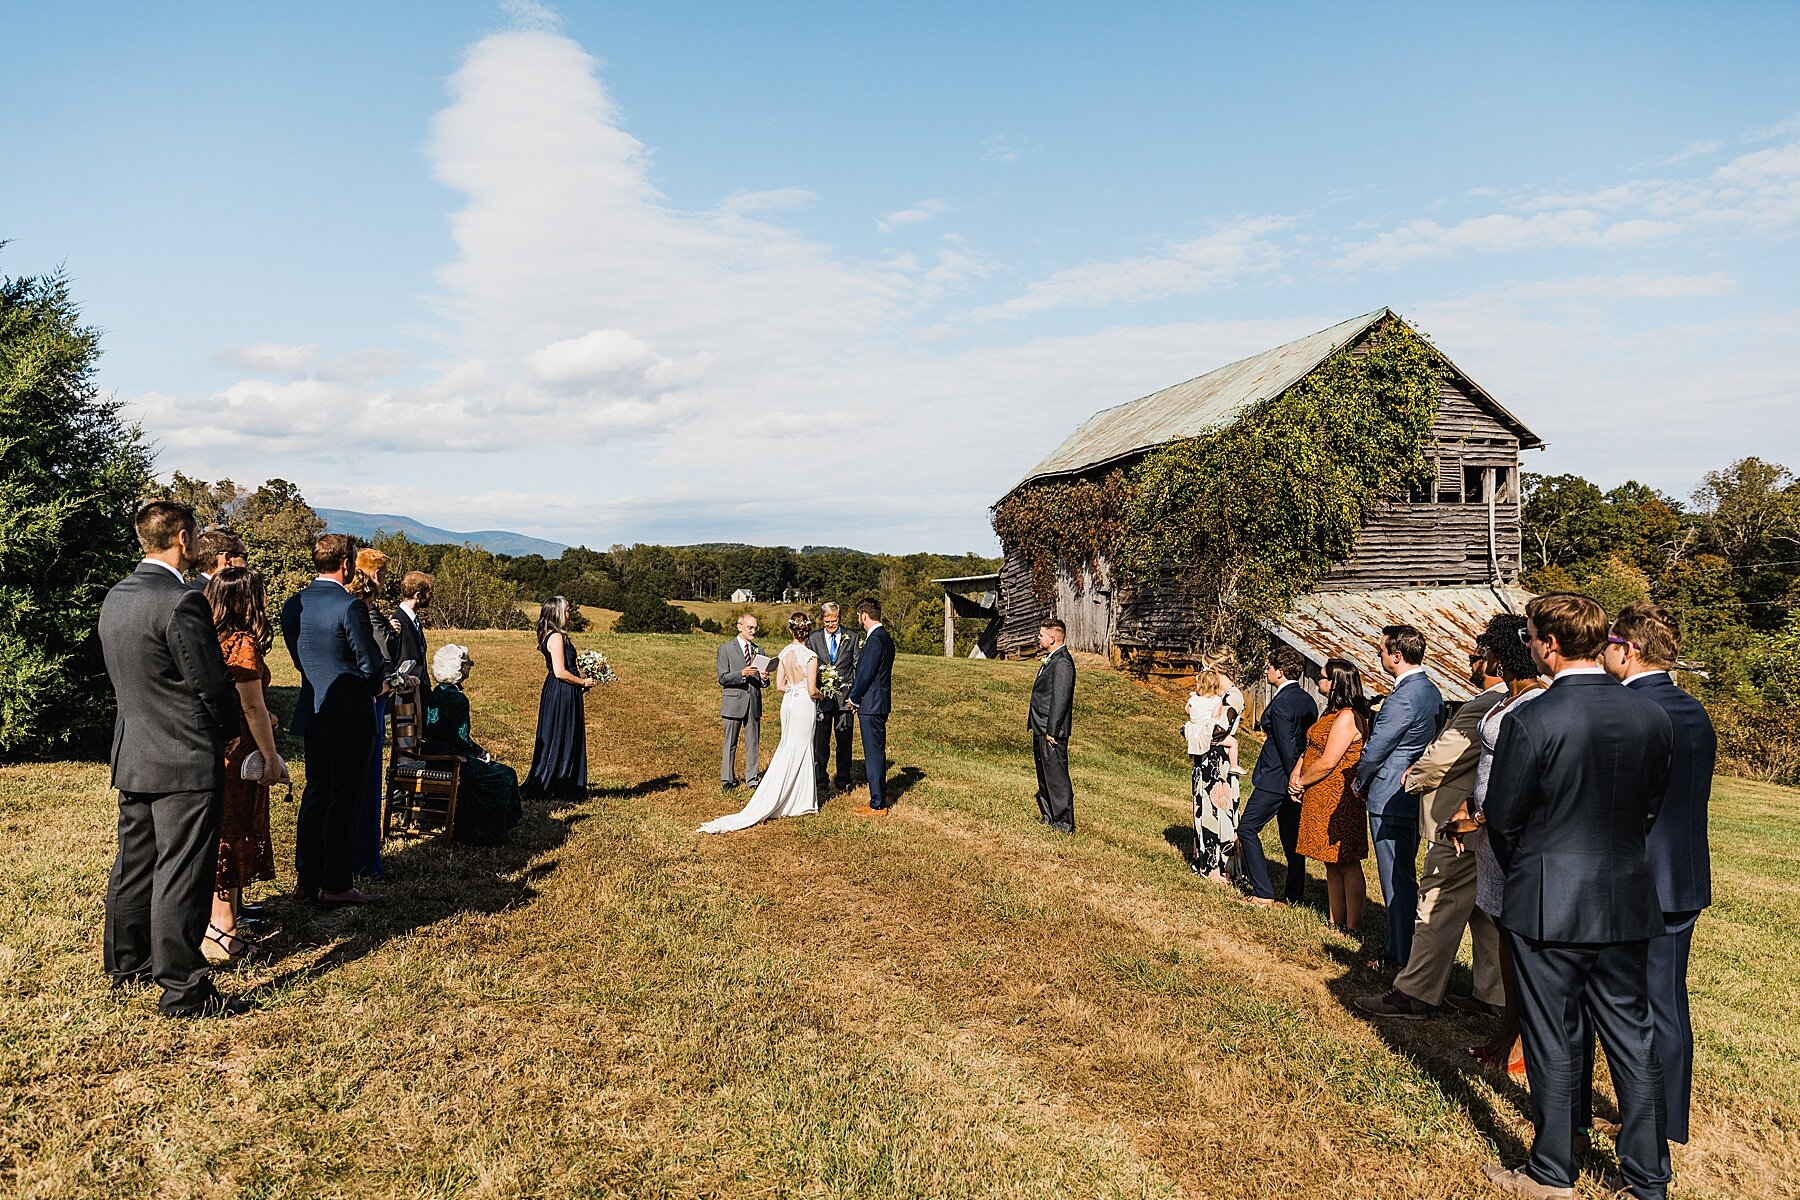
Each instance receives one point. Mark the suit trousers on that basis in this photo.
(1055, 794)
(1446, 908)
(751, 729)
(1395, 836)
(831, 726)
(337, 769)
(1674, 1028)
(1567, 990)
(1284, 810)
(160, 894)
(874, 738)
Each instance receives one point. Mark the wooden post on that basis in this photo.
(949, 626)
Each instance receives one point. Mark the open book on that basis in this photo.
(762, 662)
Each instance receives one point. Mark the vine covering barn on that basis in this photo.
(1315, 491)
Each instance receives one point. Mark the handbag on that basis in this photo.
(252, 766)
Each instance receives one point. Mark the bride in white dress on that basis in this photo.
(788, 788)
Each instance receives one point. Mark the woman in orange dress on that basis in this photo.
(245, 852)
(1334, 827)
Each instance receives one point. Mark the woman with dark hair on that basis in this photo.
(1334, 827)
(1505, 646)
(559, 759)
(246, 854)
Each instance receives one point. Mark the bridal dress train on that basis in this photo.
(788, 787)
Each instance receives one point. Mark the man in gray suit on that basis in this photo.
(836, 647)
(176, 711)
(740, 704)
(1405, 724)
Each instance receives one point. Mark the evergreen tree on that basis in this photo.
(71, 470)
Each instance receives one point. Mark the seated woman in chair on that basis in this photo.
(487, 800)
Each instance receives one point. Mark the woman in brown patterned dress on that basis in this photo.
(245, 853)
(1334, 827)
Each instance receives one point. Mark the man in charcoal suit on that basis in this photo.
(1443, 779)
(740, 704)
(836, 647)
(1578, 779)
(871, 696)
(1284, 722)
(409, 622)
(176, 711)
(1052, 709)
(341, 670)
(1405, 724)
(1641, 648)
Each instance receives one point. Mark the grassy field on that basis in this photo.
(946, 1000)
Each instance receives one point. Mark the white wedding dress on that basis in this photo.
(788, 787)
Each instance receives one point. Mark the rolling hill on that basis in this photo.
(495, 541)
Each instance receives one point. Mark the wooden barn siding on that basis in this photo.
(1419, 545)
(1087, 612)
(1020, 609)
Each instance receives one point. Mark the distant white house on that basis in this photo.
(743, 596)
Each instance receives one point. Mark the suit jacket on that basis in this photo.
(1053, 695)
(819, 644)
(1677, 845)
(1283, 725)
(411, 644)
(741, 699)
(1405, 724)
(176, 707)
(1578, 777)
(341, 668)
(872, 691)
(1444, 776)
(199, 582)
(386, 640)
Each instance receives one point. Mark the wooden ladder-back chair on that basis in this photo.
(421, 788)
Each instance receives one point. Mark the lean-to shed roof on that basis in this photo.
(1217, 398)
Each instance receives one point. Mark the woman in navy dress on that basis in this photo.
(559, 761)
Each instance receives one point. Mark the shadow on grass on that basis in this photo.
(898, 784)
(1437, 1048)
(427, 880)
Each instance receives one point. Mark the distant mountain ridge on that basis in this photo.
(494, 541)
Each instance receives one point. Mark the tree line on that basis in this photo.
(1726, 562)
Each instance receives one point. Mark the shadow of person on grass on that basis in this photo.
(426, 880)
(1438, 1048)
(899, 783)
(649, 787)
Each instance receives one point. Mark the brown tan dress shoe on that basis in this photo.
(1520, 1184)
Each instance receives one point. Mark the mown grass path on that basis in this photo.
(948, 1000)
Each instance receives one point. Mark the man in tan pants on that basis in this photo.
(1443, 779)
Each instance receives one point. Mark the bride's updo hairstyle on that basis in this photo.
(800, 625)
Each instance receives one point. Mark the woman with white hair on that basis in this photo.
(487, 799)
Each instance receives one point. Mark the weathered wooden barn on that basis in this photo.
(1444, 558)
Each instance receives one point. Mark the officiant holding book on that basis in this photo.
(743, 674)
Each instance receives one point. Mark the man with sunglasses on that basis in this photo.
(1641, 649)
(1578, 778)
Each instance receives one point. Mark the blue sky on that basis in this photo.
(825, 273)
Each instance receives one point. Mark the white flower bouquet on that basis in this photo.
(591, 664)
(829, 683)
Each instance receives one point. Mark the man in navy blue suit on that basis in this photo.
(1290, 713)
(1641, 648)
(1578, 778)
(1405, 725)
(871, 697)
(341, 669)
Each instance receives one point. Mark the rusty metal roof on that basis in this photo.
(1216, 399)
(1348, 625)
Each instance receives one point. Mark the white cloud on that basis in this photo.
(1198, 265)
(1004, 148)
(1698, 148)
(924, 210)
(271, 357)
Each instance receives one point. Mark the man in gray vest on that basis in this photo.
(836, 647)
(740, 704)
(176, 710)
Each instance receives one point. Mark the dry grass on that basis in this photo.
(944, 1001)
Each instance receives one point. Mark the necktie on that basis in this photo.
(834, 649)
(746, 654)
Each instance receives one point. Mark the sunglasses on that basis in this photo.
(1525, 637)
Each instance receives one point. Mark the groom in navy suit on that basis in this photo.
(869, 696)
(1404, 726)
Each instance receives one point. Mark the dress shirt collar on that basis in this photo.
(1408, 673)
(165, 566)
(406, 606)
(1631, 679)
(1566, 672)
(329, 579)
(1282, 687)
(873, 628)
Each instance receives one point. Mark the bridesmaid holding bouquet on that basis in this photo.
(559, 760)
